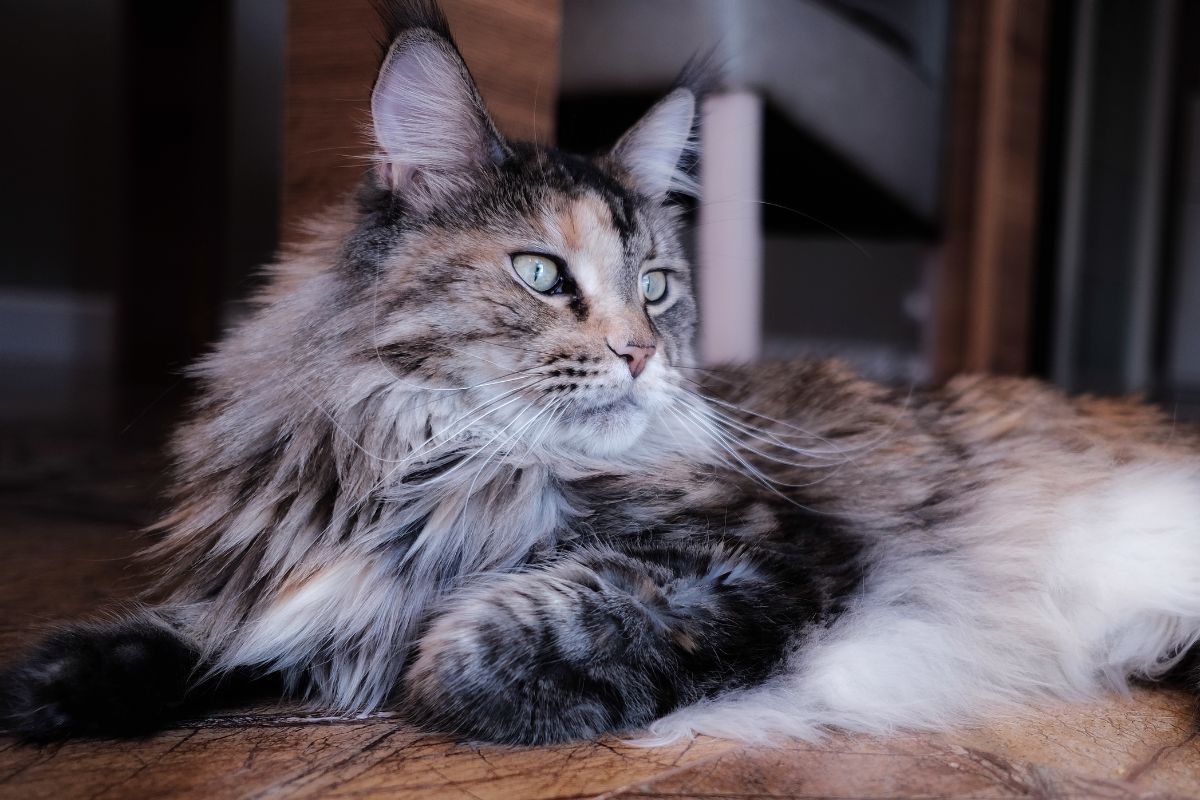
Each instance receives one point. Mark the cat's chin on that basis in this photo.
(607, 431)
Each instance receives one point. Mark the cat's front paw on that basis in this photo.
(540, 658)
(92, 680)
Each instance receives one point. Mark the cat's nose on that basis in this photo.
(634, 355)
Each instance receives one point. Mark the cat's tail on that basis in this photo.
(127, 676)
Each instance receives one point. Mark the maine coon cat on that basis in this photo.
(458, 463)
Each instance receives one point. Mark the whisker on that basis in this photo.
(333, 421)
(461, 464)
(496, 451)
(770, 437)
(512, 396)
(797, 212)
(846, 451)
(731, 432)
(748, 470)
(468, 425)
(835, 468)
(735, 407)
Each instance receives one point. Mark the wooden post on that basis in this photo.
(983, 282)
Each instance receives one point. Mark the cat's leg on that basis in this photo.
(125, 676)
(602, 640)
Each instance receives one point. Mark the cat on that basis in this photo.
(459, 462)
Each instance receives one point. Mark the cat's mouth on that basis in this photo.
(611, 407)
(607, 400)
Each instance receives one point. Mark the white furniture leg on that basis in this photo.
(730, 274)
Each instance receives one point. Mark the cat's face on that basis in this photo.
(555, 286)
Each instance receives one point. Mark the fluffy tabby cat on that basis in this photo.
(456, 464)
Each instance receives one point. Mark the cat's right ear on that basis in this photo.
(660, 152)
(431, 128)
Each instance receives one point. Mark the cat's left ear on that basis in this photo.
(659, 151)
(430, 124)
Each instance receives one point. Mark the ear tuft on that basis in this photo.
(659, 151)
(701, 75)
(399, 16)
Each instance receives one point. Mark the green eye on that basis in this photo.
(539, 272)
(654, 285)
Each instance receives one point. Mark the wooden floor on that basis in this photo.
(62, 553)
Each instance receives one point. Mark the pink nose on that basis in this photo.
(635, 356)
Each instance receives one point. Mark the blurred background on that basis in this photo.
(921, 186)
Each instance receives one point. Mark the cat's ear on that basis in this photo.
(431, 128)
(658, 153)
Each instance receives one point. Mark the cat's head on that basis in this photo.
(553, 281)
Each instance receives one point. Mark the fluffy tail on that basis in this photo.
(126, 677)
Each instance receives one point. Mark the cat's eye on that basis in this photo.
(654, 285)
(540, 272)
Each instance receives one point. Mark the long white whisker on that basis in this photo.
(467, 426)
(769, 437)
(845, 451)
(336, 425)
(735, 407)
(747, 469)
(496, 451)
(466, 460)
(732, 432)
(512, 394)
(834, 468)
(730, 446)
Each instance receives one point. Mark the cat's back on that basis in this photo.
(830, 400)
(910, 458)
(1023, 413)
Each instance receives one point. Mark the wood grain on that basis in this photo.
(511, 49)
